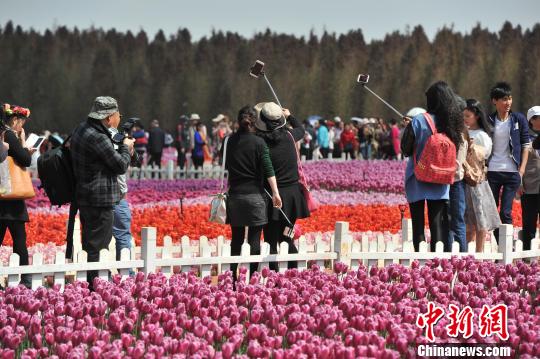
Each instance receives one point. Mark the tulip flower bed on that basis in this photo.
(314, 313)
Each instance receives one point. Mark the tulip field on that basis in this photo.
(370, 312)
(314, 313)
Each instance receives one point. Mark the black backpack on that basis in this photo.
(56, 174)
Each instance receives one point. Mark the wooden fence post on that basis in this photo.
(506, 237)
(406, 229)
(148, 249)
(167, 254)
(13, 279)
(342, 243)
(170, 170)
(60, 278)
(37, 278)
(81, 257)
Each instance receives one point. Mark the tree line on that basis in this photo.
(59, 72)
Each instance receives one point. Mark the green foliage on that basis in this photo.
(58, 73)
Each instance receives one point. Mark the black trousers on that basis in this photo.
(254, 241)
(155, 159)
(198, 163)
(350, 155)
(181, 160)
(306, 152)
(96, 233)
(324, 152)
(273, 235)
(18, 234)
(530, 209)
(438, 223)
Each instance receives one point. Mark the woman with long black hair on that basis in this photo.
(248, 161)
(481, 213)
(446, 111)
(281, 139)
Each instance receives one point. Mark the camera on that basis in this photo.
(363, 79)
(123, 132)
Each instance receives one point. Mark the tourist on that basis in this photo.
(13, 213)
(281, 141)
(444, 107)
(481, 214)
(248, 163)
(508, 160)
(96, 165)
(530, 199)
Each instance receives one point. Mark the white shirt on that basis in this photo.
(481, 138)
(502, 161)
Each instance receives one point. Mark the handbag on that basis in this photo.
(218, 206)
(312, 203)
(474, 166)
(19, 181)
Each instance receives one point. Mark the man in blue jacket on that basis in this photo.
(506, 166)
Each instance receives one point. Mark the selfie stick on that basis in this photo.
(272, 89)
(283, 213)
(383, 101)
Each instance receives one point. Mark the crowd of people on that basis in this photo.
(497, 159)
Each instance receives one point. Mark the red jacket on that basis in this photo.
(347, 137)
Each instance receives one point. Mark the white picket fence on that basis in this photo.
(171, 171)
(150, 258)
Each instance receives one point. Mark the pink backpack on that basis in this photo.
(438, 161)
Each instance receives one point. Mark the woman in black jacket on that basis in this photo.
(249, 165)
(281, 140)
(13, 213)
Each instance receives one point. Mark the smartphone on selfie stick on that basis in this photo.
(289, 230)
(363, 79)
(256, 71)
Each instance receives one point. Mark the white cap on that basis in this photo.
(194, 117)
(533, 111)
(415, 111)
(218, 118)
(337, 119)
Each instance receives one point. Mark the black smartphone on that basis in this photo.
(38, 142)
(363, 79)
(257, 69)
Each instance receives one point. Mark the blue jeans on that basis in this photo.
(457, 215)
(122, 226)
(509, 182)
(365, 148)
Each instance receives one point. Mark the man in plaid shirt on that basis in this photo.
(96, 165)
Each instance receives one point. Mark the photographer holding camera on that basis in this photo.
(96, 165)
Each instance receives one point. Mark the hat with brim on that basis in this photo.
(218, 118)
(194, 117)
(271, 112)
(103, 107)
(533, 111)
